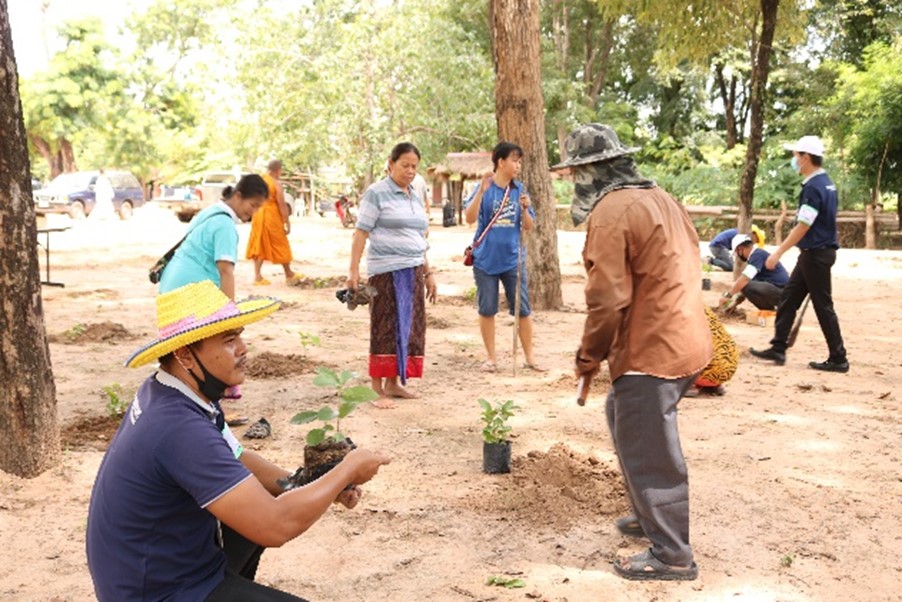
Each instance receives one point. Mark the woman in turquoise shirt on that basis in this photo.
(210, 248)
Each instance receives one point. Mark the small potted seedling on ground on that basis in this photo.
(496, 445)
(326, 445)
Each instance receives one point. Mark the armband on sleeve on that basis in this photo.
(807, 215)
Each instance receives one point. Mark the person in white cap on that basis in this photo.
(816, 236)
(757, 283)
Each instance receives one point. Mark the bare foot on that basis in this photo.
(399, 392)
(384, 403)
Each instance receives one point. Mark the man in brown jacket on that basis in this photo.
(646, 318)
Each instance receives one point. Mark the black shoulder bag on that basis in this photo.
(156, 272)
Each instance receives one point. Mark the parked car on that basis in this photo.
(208, 192)
(73, 193)
(184, 201)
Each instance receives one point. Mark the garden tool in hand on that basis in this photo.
(794, 333)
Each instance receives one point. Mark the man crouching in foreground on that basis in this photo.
(179, 510)
(646, 318)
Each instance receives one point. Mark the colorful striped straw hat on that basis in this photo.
(195, 312)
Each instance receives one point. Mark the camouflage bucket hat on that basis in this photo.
(592, 143)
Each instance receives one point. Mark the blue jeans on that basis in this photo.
(487, 291)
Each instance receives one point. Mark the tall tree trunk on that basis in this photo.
(29, 434)
(728, 98)
(54, 158)
(870, 223)
(68, 155)
(760, 73)
(519, 110)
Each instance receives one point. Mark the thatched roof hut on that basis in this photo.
(469, 166)
(452, 172)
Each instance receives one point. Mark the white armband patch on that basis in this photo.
(232, 441)
(807, 215)
(750, 272)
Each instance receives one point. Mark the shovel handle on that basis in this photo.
(582, 390)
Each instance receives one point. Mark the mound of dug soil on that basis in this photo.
(277, 365)
(557, 489)
(103, 332)
(600, 384)
(322, 282)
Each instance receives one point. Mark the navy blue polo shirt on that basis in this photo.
(149, 535)
(724, 239)
(756, 270)
(818, 204)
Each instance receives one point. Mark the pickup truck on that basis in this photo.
(208, 192)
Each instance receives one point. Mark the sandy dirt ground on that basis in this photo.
(795, 482)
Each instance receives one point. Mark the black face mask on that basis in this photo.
(211, 387)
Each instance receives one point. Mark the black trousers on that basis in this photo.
(243, 557)
(763, 295)
(811, 276)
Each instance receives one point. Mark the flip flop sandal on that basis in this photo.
(645, 566)
(262, 282)
(295, 280)
(629, 526)
(534, 367)
(258, 430)
(488, 367)
(235, 420)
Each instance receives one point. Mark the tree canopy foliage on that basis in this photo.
(221, 83)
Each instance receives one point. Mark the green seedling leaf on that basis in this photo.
(346, 375)
(346, 408)
(326, 413)
(359, 394)
(512, 583)
(326, 378)
(315, 437)
(304, 417)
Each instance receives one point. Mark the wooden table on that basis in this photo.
(47, 232)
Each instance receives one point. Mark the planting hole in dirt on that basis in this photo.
(90, 433)
(557, 489)
(436, 322)
(103, 332)
(277, 365)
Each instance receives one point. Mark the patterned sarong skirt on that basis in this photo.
(398, 324)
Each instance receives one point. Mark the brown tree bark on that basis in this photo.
(29, 434)
(68, 155)
(519, 110)
(54, 159)
(728, 98)
(760, 73)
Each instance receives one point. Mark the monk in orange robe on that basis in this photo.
(270, 229)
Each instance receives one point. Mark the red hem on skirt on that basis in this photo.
(386, 366)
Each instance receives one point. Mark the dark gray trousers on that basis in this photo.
(642, 416)
(722, 258)
(763, 295)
